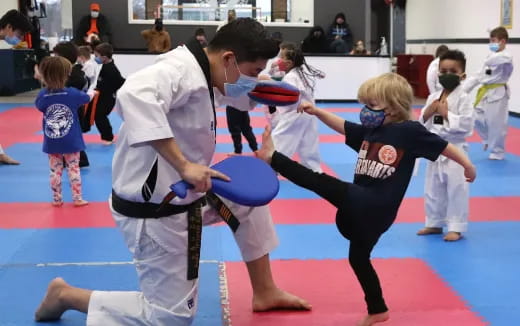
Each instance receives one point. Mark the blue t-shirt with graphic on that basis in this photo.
(61, 128)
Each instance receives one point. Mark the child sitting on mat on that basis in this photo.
(294, 132)
(388, 144)
(61, 129)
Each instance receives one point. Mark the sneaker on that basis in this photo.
(496, 157)
(79, 203)
(57, 203)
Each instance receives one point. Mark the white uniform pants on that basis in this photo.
(491, 120)
(295, 133)
(446, 195)
(159, 249)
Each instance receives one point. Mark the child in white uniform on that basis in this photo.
(293, 132)
(491, 104)
(432, 74)
(449, 114)
(168, 134)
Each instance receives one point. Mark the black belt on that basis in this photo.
(149, 210)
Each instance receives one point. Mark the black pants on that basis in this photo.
(83, 159)
(104, 107)
(361, 242)
(239, 124)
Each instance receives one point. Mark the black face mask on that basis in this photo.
(449, 81)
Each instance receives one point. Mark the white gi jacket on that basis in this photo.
(297, 133)
(446, 193)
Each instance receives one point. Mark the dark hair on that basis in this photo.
(247, 38)
(68, 50)
(105, 50)
(16, 20)
(158, 24)
(500, 33)
(455, 55)
(441, 49)
(340, 15)
(200, 31)
(95, 42)
(307, 73)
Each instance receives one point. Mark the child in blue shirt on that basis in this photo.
(61, 129)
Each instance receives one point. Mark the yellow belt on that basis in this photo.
(484, 89)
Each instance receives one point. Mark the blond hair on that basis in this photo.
(392, 92)
(55, 71)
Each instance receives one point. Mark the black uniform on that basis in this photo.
(368, 207)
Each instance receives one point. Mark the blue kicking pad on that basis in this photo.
(253, 182)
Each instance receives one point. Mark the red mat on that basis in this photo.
(284, 211)
(414, 293)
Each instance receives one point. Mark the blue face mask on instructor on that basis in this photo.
(242, 86)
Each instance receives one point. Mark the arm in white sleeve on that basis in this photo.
(462, 120)
(432, 76)
(145, 100)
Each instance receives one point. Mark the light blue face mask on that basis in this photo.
(494, 47)
(12, 40)
(242, 86)
(98, 60)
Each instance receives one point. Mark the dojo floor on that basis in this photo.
(426, 281)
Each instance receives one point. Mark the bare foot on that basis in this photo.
(372, 319)
(428, 231)
(52, 306)
(6, 159)
(265, 153)
(277, 299)
(452, 236)
(79, 203)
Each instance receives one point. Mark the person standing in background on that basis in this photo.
(432, 74)
(93, 26)
(157, 39)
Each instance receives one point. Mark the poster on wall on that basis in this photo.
(506, 13)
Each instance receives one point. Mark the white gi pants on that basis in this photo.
(491, 118)
(296, 133)
(446, 195)
(159, 249)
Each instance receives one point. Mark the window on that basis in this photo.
(212, 12)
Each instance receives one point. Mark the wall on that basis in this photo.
(127, 36)
(6, 5)
(463, 25)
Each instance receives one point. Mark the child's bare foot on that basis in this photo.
(372, 319)
(57, 203)
(52, 306)
(452, 236)
(277, 299)
(81, 202)
(6, 159)
(234, 154)
(265, 153)
(428, 231)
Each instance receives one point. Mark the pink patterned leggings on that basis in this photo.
(56, 164)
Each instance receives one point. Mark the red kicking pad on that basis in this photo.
(414, 293)
(275, 93)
